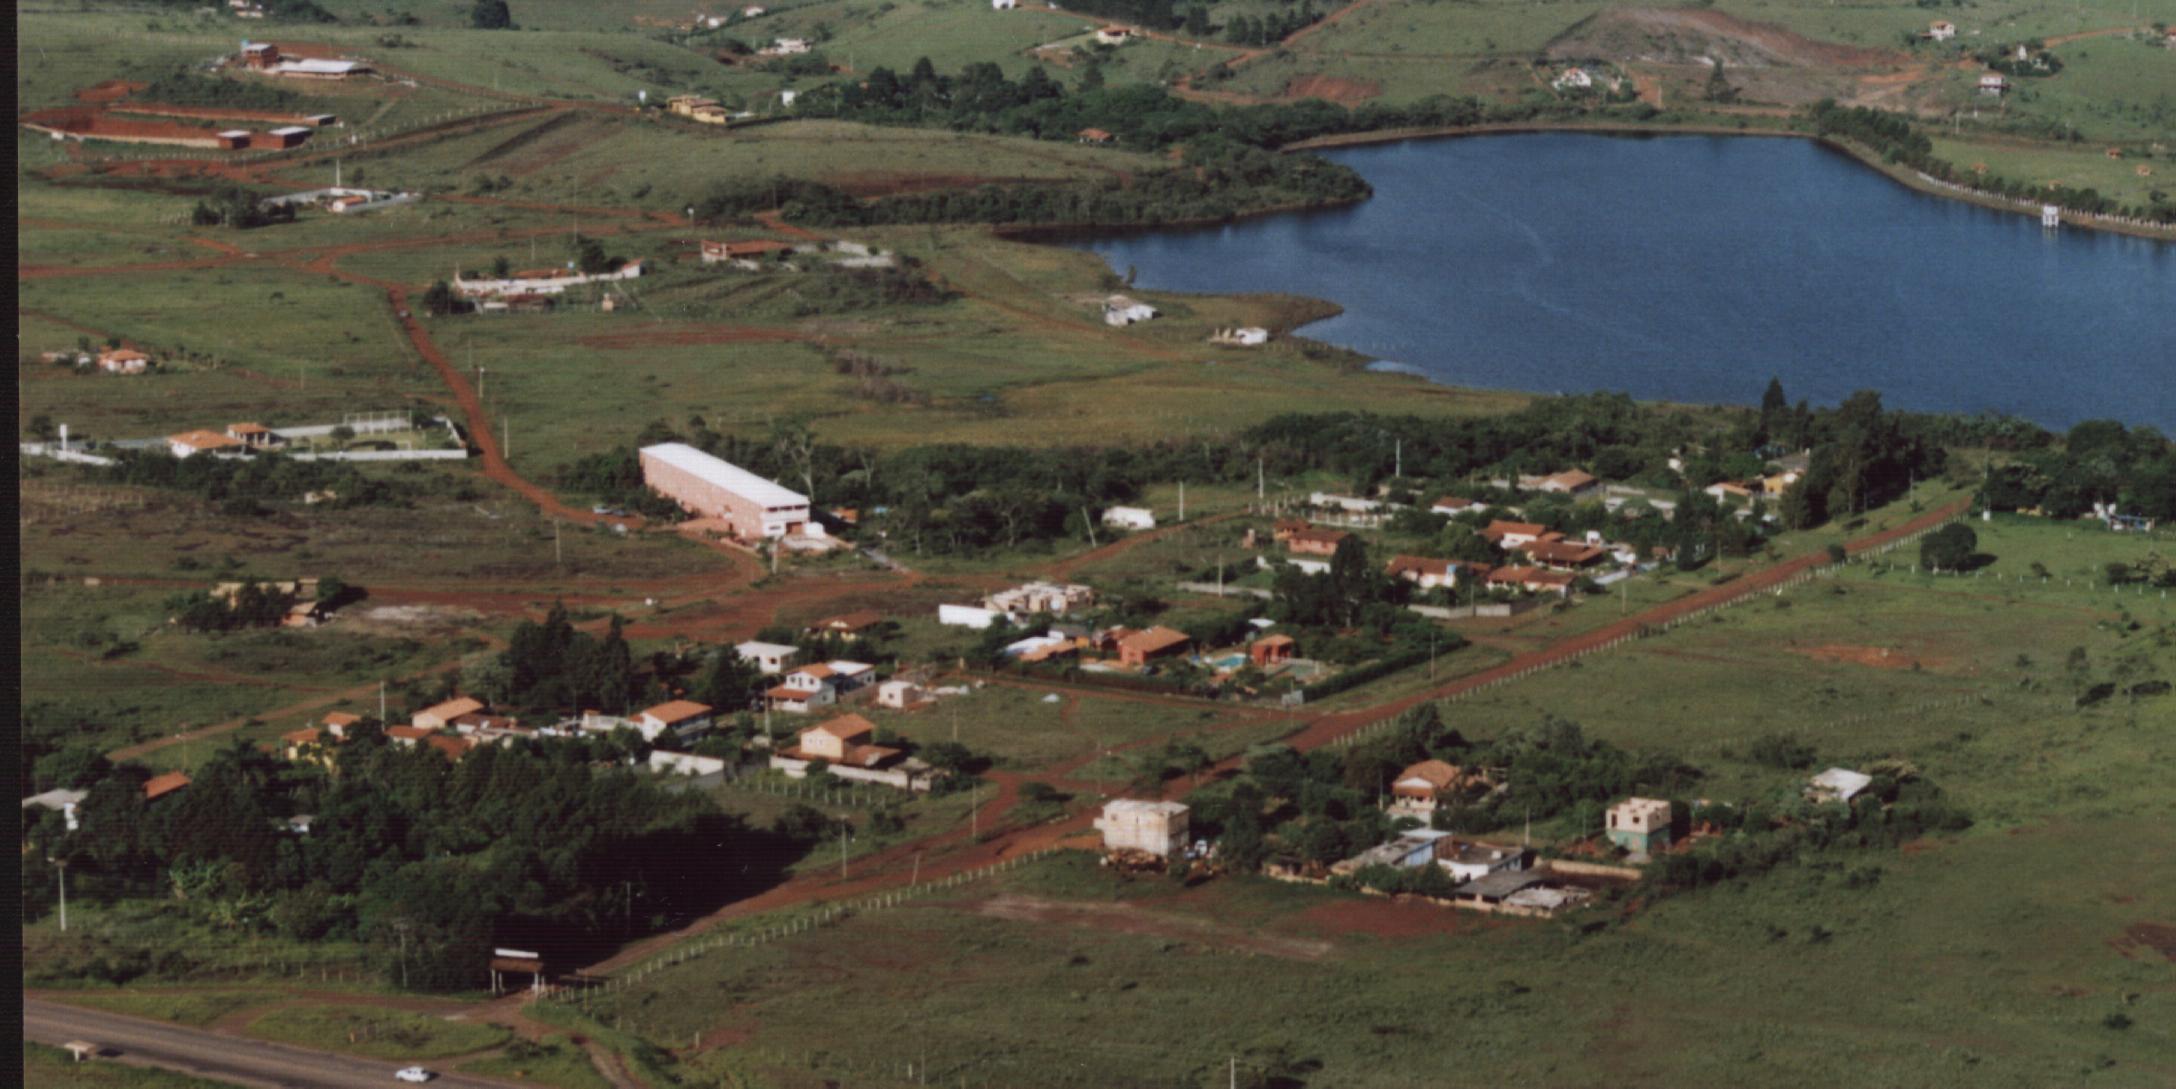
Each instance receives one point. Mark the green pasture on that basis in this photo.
(50, 1066)
(375, 1032)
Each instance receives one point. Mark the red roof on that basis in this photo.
(845, 727)
(1098, 135)
(1153, 640)
(678, 711)
(159, 786)
(1500, 529)
(409, 733)
(1564, 552)
(204, 440)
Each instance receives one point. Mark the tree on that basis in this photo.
(589, 256)
(501, 268)
(1949, 548)
(491, 15)
(731, 683)
(439, 300)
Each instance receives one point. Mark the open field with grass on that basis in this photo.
(141, 943)
(378, 1033)
(556, 1061)
(50, 1066)
(2005, 924)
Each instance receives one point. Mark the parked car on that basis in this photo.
(414, 1074)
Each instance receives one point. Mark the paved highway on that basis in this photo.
(228, 1059)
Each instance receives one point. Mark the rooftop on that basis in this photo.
(725, 474)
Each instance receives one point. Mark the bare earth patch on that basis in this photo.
(1344, 92)
(1874, 657)
(2149, 938)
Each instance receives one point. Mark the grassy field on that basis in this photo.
(378, 1033)
(556, 1061)
(1782, 975)
(198, 1007)
(146, 942)
(49, 1067)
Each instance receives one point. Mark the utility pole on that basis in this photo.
(917, 879)
(1260, 491)
(381, 703)
(1400, 459)
(62, 863)
(842, 848)
(559, 558)
(1182, 501)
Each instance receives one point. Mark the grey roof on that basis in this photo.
(1500, 884)
(56, 799)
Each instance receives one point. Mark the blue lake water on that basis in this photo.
(1693, 268)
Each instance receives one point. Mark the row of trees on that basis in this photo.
(2098, 461)
(1892, 137)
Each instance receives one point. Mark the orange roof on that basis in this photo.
(307, 735)
(122, 355)
(1318, 534)
(454, 748)
(1095, 134)
(1571, 478)
(1453, 502)
(411, 733)
(1561, 551)
(248, 429)
(204, 440)
(1524, 575)
(818, 671)
(1436, 773)
(159, 786)
(453, 708)
(1153, 640)
(1420, 565)
(677, 711)
(1274, 641)
(845, 727)
(341, 718)
(1502, 528)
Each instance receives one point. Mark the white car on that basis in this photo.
(413, 1073)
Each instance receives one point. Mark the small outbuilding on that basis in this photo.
(1157, 828)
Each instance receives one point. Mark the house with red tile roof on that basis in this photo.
(159, 786)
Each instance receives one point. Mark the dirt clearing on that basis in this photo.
(1344, 92)
(1874, 657)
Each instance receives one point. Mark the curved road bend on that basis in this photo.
(139, 1042)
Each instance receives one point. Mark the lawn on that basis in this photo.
(45, 1067)
(375, 1032)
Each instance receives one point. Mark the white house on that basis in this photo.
(684, 718)
(899, 695)
(970, 616)
(789, 46)
(1451, 504)
(1837, 785)
(1129, 518)
(804, 690)
(1159, 828)
(1042, 597)
(1575, 78)
(1942, 30)
(1468, 860)
(768, 657)
(1003, 5)
(1121, 310)
(1350, 504)
(1993, 84)
(1113, 35)
(685, 763)
(850, 676)
(63, 802)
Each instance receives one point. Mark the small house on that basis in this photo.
(1140, 648)
(1451, 504)
(899, 695)
(804, 690)
(124, 361)
(407, 736)
(1250, 336)
(683, 718)
(1640, 825)
(1120, 310)
(1113, 35)
(440, 716)
(1837, 785)
(970, 616)
(233, 139)
(1508, 535)
(1534, 580)
(260, 54)
(1095, 136)
(1271, 650)
(768, 657)
(1030, 598)
(1421, 788)
(255, 435)
(1157, 828)
(1574, 79)
(1131, 518)
(1993, 84)
(1941, 30)
(787, 47)
(750, 254)
(1570, 482)
(1314, 541)
(282, 137)
(1421, 571)
(1565, 555)
(847, 739)
(192, 443)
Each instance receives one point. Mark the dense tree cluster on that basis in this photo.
(429, 862)
(183, 87)
(234, 206)
(2098, 461)
(551, 668)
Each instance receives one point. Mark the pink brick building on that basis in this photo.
(710, 487)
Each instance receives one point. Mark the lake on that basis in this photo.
(1693, 268)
